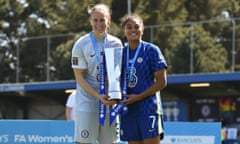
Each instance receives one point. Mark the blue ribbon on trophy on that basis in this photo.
(124, 86)
(102, 107)
(101, 65)
(120, 108)
(110, 60)
(113, 55)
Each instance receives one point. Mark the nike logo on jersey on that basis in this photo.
(92, 55)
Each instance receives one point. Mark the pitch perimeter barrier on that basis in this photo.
(61, 132)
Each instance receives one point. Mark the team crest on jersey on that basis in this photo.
(140, 60)
(75, 60)
(84, 133)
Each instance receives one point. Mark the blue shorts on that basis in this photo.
(141, 127)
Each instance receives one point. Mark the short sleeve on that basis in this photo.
(78, 60)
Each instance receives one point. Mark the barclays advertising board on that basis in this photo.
(192, 133)
(61, 132)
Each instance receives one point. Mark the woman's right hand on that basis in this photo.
(106, 101)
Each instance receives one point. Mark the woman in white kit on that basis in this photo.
(85, 63)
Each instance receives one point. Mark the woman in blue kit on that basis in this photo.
(146, 76)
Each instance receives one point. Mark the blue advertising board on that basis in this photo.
(192, 133)
(36, 132)
(61, 132)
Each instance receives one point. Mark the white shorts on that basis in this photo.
(88, 129)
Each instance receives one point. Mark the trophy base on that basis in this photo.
(115, 96)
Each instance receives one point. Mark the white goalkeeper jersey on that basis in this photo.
(84, 57)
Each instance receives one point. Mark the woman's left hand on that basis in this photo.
(131, 98)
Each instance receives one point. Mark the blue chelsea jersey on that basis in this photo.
(149, 60)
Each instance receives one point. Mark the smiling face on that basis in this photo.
(133, 28)
(99, 23)
(100, 20)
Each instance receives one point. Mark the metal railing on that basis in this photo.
(44, 48)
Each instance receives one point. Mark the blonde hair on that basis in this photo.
(99, 7)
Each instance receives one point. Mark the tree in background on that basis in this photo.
(207, 55)
(39, 26)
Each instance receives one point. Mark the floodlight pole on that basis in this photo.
(17, 62)
(48, 58)
(129, 6)
(233, 44)
(191, 49)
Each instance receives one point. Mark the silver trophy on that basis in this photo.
(113, 56)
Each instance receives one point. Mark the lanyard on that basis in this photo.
(121, 108)
(133, 60)
(94, 42)
(101, 65)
